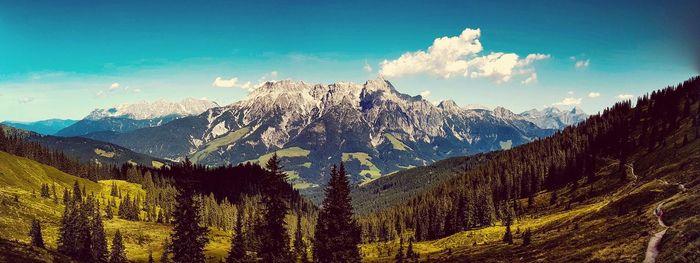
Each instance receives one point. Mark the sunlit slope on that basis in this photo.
(609, 220)
(20, 202)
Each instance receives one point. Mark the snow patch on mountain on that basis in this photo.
(152, 110)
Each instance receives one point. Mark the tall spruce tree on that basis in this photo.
(272, 232)
(100, 252)
(299, 245)
(399, 254)
(238, 249)
(35, 234)
(118, 254)
(188, 237)
(337, 234)
(67, 231)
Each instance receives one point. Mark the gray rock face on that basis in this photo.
(553, 118)
(372, 127)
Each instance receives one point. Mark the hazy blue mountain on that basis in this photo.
(48, 127)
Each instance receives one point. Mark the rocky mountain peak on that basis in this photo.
(449, 105)
(503, 113)
(156, 109)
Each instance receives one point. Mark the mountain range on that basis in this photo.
(128, 117)
(48, 127)
(374, 128)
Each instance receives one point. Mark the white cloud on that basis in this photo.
(25, 100)
(593, 94)
(137, 90)
(367, 68)
(225, 83)
(273, 74)
(625, 96)
(568, 101)
(581, 64)
(114, 86)
(247, 86)
(531, 79)
(458, 56)
(571, 92)
(425, 94)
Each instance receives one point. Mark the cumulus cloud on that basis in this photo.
(425, 93)
(571, 92)
(25, 100)
(114, 86)
(225, 83)
(625, 96)
(568, 101)
(458, 56)
(367, 68)
(531, 79)
(593, 94)
(580, 64)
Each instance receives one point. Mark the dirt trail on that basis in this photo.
(653, 246)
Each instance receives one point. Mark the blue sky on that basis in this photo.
(61, 59)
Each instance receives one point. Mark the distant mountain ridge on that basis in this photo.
(554, 118)
(85, 149)
(48, 127)
(372, 127)
(128, 117)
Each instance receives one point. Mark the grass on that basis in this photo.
(398, 145)
(505, 145)
(298, 182)
(215, 144)
(157, 164)
(286, 152)
(104, 153)
(366, 161)
(22, 178)
(481, 235)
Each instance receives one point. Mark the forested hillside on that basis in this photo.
(623, 147)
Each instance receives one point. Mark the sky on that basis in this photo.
(62, 59)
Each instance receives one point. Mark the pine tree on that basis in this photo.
(35, 234)
(272, 231)
(99, 239)
(299, 245)
(527, 237)
(399, 253)
(508, 236)
(83, 237)
(67, 232)
(109, 213)
(188, 237)
(410, 254)
(118, 254)
(337, 234)
(238, 250)
(115, 190)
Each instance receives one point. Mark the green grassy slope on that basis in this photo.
(21, 179)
